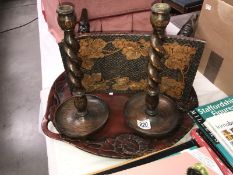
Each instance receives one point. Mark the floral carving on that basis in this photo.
(121, 83)
(119, 43)
(130, 144)
(172, 87)
(145, 46)
(94, 82)
(132, 50)
(91, 49)
(140, 85)
(178, 55)
(124, 83)
(87, 64)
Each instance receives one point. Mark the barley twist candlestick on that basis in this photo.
(156, 53)
(81, 114)
(153, 114)
(72, 64)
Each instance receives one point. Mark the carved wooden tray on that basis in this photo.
(115, 139)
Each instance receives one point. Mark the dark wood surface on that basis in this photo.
(115, 139)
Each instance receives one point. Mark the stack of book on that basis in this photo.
(215, 122)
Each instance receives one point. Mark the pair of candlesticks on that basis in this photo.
(149, 113)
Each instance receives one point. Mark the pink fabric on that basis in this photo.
(120, 23)
(100, 12)
(141, 21)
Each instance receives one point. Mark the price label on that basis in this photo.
(145, 124)
(208, 7)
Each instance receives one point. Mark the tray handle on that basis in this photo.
(47, 132)
(47, 119)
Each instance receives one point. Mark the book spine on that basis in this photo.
(197, 118)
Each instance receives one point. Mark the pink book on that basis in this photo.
(176, 164)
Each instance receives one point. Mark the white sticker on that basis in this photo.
(145, 124)
(110, 93)
(208, 7)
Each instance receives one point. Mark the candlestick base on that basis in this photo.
(72, 125)
(159, 125)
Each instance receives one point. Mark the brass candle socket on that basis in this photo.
(80, 115)
(153, 114)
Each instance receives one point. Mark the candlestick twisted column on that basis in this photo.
(151, 113)
(82, 114)
(72, 63)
